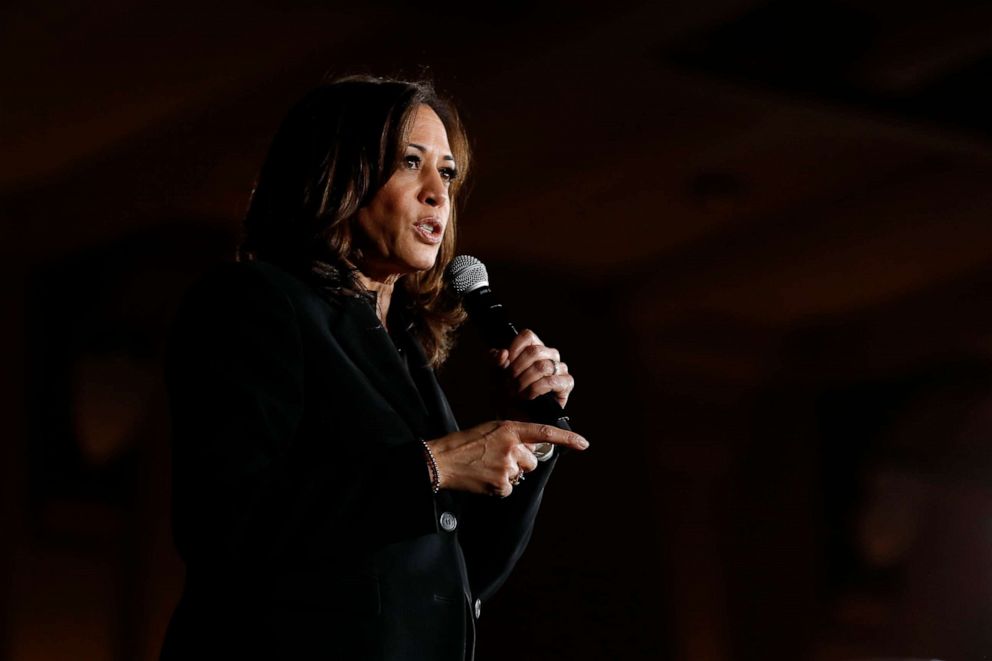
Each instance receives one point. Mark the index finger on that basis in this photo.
(531, 432)
(523, 340)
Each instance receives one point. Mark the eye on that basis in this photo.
(412, 161)
(448, 174)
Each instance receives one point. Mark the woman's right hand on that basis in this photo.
(490, 458)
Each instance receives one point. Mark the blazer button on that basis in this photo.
(448, 521)
(478, 608)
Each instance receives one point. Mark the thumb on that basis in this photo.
(499, 356)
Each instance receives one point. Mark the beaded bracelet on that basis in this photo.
(432, 464)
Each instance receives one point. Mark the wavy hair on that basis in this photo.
(336, 148)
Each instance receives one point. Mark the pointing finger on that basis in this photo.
(529, 432)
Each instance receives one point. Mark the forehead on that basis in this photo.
(427, 129)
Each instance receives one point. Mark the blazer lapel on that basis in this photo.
(423, 375)
(369, 346)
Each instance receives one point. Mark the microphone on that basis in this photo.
(468, 277)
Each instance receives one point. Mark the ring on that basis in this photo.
(556, 364)
(518, 479)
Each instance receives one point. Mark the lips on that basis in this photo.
(430, 229)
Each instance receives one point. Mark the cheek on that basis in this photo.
(366, 227)
(376, 220)
(385, 212)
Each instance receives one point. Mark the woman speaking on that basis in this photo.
(325, 503)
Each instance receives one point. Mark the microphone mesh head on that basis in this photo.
(466, 273)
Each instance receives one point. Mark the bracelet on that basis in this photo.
(432, 465)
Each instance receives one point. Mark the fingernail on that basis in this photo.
(583, 443)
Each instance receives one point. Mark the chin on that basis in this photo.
(423, 263)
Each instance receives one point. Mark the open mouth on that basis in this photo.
(430, 228)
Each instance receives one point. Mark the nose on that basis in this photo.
(433, 191)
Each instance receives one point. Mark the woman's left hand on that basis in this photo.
(534, 369)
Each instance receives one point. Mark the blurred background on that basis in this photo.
(758, 231)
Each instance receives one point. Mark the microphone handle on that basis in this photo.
(498, 332)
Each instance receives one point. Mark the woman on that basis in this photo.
(325, 503)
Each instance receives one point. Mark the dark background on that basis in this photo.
(764, 232)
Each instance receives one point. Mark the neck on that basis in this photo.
(383, 288)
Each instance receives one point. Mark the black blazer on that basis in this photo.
(302, 504)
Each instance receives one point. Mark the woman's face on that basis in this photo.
(403, 226)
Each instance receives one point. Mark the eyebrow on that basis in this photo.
(446, 157)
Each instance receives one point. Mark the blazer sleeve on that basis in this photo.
(234, 373)
(243, 475)
(496, 531)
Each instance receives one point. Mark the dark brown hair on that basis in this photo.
(334, 151)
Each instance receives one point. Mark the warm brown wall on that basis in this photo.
(766, 261)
